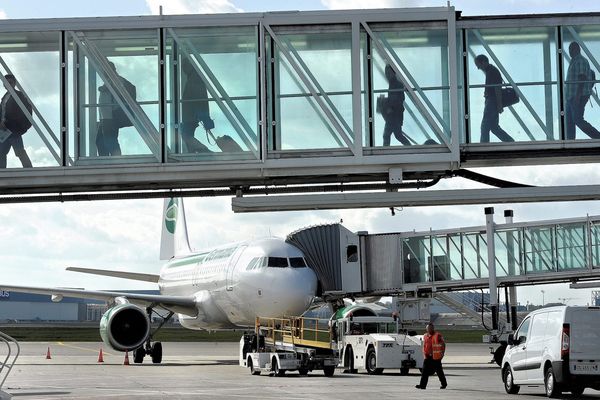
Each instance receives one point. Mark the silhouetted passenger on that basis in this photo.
(493, 101)
(13, 124)
(392, 109)
(578, 89)
(112, 118)
(194, 108)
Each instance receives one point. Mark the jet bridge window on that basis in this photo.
(352, 253)
(297, 262)
(278, 262)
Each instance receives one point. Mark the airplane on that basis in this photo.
(225, 287)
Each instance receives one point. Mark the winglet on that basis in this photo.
(174, 238)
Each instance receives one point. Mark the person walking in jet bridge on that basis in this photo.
(578, 89)
(392, 109)
(493, 101)
(13, 124)
(434, 348)
(112, 117)
(194, 109)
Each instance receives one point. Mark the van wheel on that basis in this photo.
(550, 384)
(509, 385)
(275, 368)
(577, 390)
(253, 370)
(371, 363)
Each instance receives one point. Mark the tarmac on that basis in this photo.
(211, 371)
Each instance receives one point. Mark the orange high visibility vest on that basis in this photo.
(439, 346)
(434, 346)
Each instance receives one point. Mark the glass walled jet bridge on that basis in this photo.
(121, 104)
(523, 253)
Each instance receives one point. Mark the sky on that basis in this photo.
(37, 241)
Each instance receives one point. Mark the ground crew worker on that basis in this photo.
(433, 352)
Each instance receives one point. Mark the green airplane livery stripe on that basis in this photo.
(171, 215)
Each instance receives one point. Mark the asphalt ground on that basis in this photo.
(211, 371)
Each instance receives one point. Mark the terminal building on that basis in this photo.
(25, 307)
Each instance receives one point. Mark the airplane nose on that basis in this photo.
(306, 289)
(290, 291)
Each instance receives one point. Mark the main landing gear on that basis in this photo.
(152, 349)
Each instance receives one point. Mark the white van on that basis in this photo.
(558, 347)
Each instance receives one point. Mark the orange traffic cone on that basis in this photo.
(100, 356)
(48, 357)
(126, 362)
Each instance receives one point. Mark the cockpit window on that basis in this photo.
(297, 262)
(257, 263)
(253, 263)
(278, 262)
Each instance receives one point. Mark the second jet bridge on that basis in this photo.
(361, 264)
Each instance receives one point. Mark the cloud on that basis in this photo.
(192, 7)
(3, 14)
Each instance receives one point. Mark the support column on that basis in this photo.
(491, 253)
(512, 290)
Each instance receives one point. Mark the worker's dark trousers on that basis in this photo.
(429, 367)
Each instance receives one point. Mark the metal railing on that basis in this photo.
(7, 364)
(294, 331)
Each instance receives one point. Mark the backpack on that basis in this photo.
(119, 116)
(15, 119)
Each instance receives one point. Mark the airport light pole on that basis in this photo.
(491, 258)
(543, 292)
(512, 290)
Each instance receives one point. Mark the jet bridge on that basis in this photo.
(295, 94)
(525, 253)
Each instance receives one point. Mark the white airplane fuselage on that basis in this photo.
(234, 284)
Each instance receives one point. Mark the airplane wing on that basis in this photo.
(179, 304)
(117, 274)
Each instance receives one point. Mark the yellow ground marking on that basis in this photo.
(83, 348)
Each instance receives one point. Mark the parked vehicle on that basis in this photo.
(280, 345)
(375, 343)
(557, 347)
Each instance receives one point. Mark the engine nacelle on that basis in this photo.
(125, 327)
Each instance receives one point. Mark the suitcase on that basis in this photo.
(226, 143)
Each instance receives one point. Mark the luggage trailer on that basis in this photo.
(279, 345)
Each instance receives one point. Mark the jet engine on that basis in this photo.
(125, 327)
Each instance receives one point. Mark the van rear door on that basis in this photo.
(584, 355)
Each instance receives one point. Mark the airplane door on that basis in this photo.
(231, 267)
